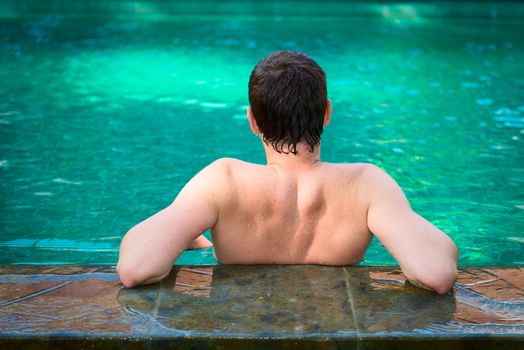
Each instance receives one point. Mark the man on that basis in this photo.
(295, 209)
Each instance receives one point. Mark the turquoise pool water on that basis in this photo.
(104, 118)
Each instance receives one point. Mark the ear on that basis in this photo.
(252, 121)
(327, 114)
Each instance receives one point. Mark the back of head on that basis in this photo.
(288, 98)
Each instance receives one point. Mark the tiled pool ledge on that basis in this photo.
(267, 307)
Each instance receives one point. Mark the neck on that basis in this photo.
(303, 159)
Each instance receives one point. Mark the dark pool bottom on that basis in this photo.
(263, 307)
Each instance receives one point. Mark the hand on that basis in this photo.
(200, 242)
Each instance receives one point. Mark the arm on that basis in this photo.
(426, 255)
(200, 242)
(149, 249)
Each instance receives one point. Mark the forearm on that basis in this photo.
(426, 255)
(133, 271)
(142, 258)
(132, 278)
(441, 283)
(149, 250)
(436, 271)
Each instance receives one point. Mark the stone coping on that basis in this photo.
(280, 307)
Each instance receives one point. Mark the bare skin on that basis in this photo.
(293, 210)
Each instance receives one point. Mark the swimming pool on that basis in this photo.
(107, 111)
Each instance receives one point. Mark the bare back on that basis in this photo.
(315, 213)
(276, 215)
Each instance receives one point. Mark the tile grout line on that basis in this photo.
(350, 299)
(44, 291)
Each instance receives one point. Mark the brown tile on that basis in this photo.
(285, 302)
(514, 276)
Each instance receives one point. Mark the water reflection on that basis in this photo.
(281, 300)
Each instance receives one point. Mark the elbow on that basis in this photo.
(443, 277)
(443, 282)
(127, 271)
(439, 281)
(447, 275)
(127, 275)
(137, 265)
(438, 278)
(132, 275)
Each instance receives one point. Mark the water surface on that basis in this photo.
(102, 121)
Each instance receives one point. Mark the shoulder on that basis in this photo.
(358, 172)
(210, 184)
(226, 166)
(373, 174)
(371, 182)
(224, 173)
(220, 165)
(380, 186)
(215, 173)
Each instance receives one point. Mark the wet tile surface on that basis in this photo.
(270, 306)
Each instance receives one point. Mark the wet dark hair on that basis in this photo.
(288, 98)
